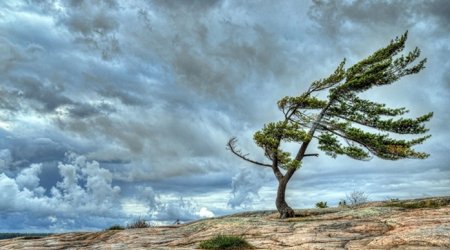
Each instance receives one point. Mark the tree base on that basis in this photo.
(286, 212)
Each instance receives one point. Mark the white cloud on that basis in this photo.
(98, 195)
(68, 198)
(8, 194)
(86, 189)
(182, 209)
(246, 185)
(12, 198)
(29, 177)
(135, 208)
(205, 213)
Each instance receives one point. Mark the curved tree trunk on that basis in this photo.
(283, 208)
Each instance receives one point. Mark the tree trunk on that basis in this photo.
(283, 208)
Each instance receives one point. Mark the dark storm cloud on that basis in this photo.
(28, 92)
(19, 151)
(37, 150)
(8, 100)
(125, 96)
(87, 21)
(439, 9)
(335, 16)
(203, 73)
(211, 51)
(43, 98)
(343, 16)
(84, 110)
(92, 25)
(188, 5)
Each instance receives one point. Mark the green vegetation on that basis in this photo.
(342, 122)
(342, 203)
(414, 204)
(4, 236)
(225, 242)
(116, 227)
(139, 223)
(321, 204)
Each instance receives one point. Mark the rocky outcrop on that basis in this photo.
(417, 224)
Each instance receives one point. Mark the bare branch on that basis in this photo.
(316, 155)
(231, 145)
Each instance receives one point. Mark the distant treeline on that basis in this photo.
(4, 236)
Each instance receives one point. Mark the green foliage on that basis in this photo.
(321, 204)
(225, 242)
(415, 204)
(383, 146)
(342, 203)
(349, 104)
(139, 223)
(116, 227)
(304, 102)
(344, 123)
(272, 134)
(330, 81)
(381, 68)
(330, 144)
(335, 123)
(4, 236)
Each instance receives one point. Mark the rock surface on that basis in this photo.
(416, 224)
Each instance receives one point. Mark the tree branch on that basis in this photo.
(312, 130)
(231, 145)
(316, 155)
(323, 127)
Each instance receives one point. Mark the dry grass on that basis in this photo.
(139, 223)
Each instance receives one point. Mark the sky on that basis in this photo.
(116, 110)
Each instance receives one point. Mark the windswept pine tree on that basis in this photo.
(343, 123)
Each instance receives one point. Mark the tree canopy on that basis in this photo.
(344, 123)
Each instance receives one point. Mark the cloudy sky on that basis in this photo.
(112, 110)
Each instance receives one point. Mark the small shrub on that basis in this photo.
(321, 204)
(342, 203)
(414, 204)
(115, 227)
(139, 223)
(225, 242)
(357, 198)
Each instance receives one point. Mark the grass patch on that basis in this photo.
(139, 223)
(115, 227)
(321, 204)
(26, 236)
(415, 204)
(225, 242)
